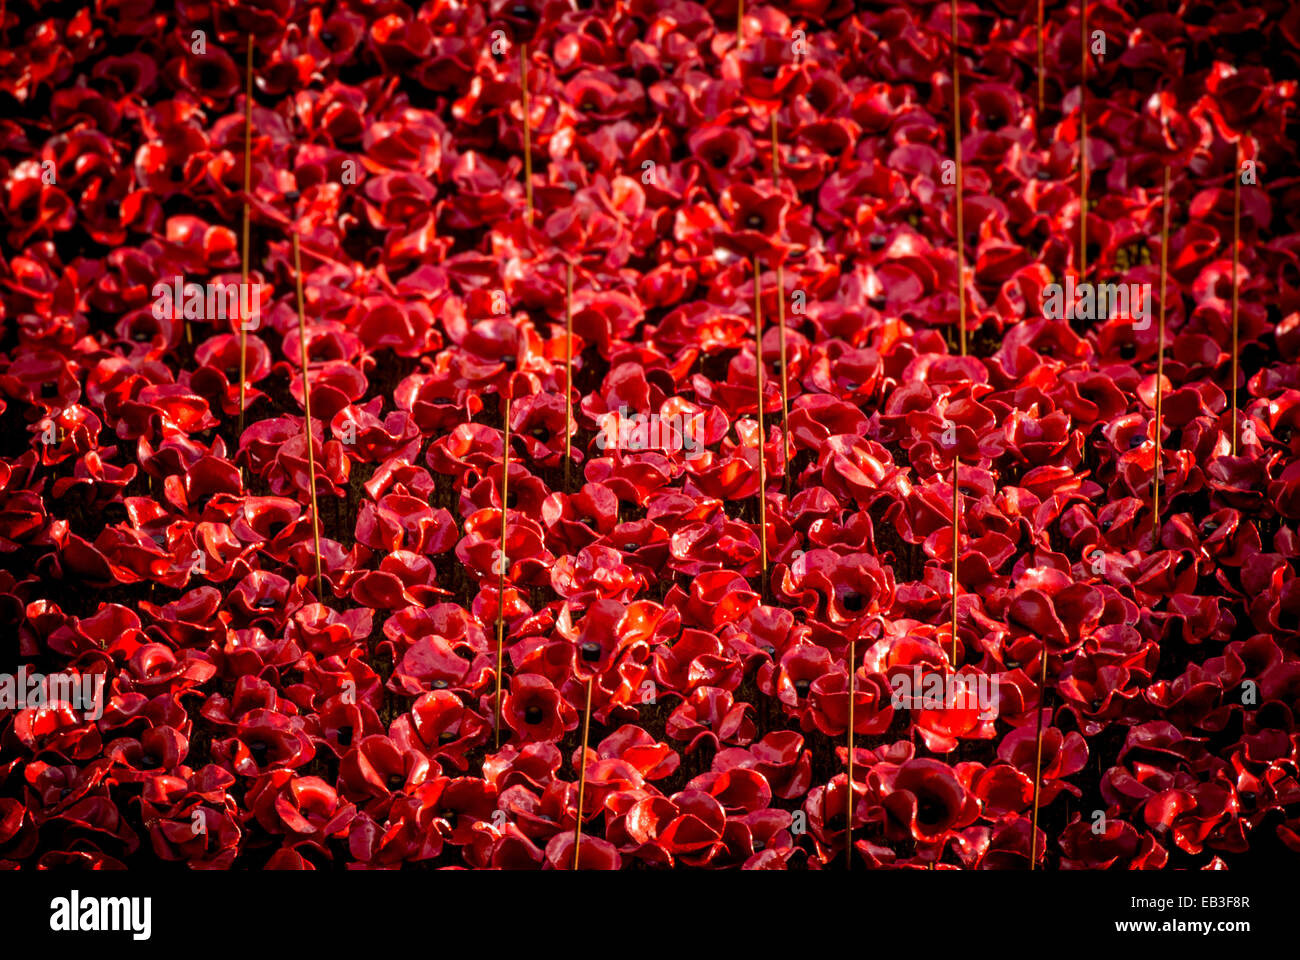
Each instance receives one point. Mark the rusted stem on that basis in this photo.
(1038, 761)
(248, 186)
(1236, 259)
(502, 562)
(568, 371)
(528, 144)
(956, 140)
(306, 403)
(582, 775)
(1160, 364)
(848, 813)
(762, 433)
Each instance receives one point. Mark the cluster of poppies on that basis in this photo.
(483, 234)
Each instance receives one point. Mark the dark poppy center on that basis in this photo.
(141, 336)
(591, 166)
(148, 761)
(439, 684)
(877, 240)
(259, 750)
(1128, 350)
(930, 812)
(264, 603)
(540, 433)
(49, 390)
(396, 782)
(754, 221)
(1136, 441)
(1273, 715)
(590, 652)
(521, 11)
(533, 715)
(345, 736)
(769, 649)
(801, 687)
(719, 161)
(769, 70)
(465, 653)
(446, 737)
(853, 601)
(1043, 174)
(877, 302)
(327, 37)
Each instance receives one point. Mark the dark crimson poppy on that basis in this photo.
(924, 799)
(535, 710)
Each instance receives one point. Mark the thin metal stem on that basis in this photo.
(1040, 63)
(502, 562)
(306, 403)
(528, 145)
(248, 181)
(956, 550)
(1160, 364)
(582, 775)
(762, 432)
(956, 140)
(1038, 762)
(568, 370)
(1083, 139)
(1236, 259)
(848, 813)
(780, 313)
